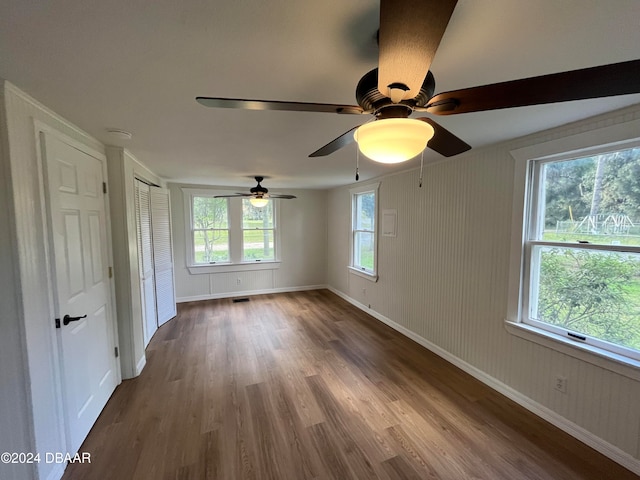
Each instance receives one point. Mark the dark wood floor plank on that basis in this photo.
(399, 468)
(303, 385)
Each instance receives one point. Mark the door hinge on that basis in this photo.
(116, 350)
(104, 187)
(110, 272)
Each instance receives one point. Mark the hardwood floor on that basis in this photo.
(305, 386)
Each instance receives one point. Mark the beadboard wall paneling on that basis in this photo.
(124, 168)
(338, 234)
(445, 278)
(303, 250)
(15, 416)
(32, 283)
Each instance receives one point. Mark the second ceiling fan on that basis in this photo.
(409, 36)
(258, 196)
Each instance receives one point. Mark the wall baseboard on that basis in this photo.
(140, 365)
(576, 431)
(215, 296)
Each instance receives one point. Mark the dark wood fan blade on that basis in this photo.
(595, 82)
(335, 145)
(444, 142)
(410, 32)
(246, 104)
(234, 195)
(282, 196)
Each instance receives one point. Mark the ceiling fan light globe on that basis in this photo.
(393, 140)
(258, 202)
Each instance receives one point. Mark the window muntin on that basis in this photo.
(583, 250)
(364, 232)
(258, 232)
(210, 230)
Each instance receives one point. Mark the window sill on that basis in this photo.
(233, 267)
(372, 277)
(588, 353)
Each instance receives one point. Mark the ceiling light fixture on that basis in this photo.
(393, 140)
(258, 201)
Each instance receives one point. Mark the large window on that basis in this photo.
(364, 228)
(582, 250)
(228, 231)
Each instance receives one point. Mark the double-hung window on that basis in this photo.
(364, 227)
(581, 269)
(228, 233)
(210, 230)
(258, 232)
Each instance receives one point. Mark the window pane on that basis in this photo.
(365, 211)
(591, 292)
(594, 199)
(363, 249)
(211, 246)
(258, 245)
(210, 213)
(257, 217)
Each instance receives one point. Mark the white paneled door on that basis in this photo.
(83, 292)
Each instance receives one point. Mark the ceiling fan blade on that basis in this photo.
(282, 196)
(444, 142)
(247, 104)
(595, 82)
(234, 195)
(335, 145)
(410, 32)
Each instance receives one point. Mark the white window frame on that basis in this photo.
(193, 229)
(374, 188)
(236, 262)
(608, 139)
(273, 228)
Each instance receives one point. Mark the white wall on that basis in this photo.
(15, 416)
(34, 315)
(303, 235)
(444, 281)
(124, 168)
(31, 418)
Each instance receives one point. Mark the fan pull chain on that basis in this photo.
(421, 167)
(357, 164)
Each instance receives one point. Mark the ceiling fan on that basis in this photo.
(259, 195)
(409, 35)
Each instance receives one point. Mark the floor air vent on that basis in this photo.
(238, 300)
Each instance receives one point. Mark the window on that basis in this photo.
(582, 249)
(228, 234)
(258, 232)
(210, 229)
(364, 230)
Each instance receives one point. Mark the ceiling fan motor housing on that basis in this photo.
(371, 99)
(259, 190)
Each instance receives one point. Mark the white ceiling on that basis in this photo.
(138, 65)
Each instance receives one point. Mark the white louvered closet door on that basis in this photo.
(162, 254)
(145, 261)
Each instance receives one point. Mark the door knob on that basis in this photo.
(66, 320)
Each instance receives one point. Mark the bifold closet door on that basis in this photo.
(145, 260)
(162, 254)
